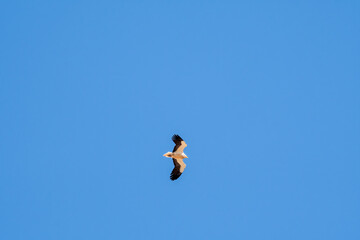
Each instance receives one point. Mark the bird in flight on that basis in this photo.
(177, 156)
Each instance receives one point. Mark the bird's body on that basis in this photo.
(177, 155)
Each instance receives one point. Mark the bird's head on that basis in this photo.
(168, 154)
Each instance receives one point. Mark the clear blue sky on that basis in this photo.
(266, 94)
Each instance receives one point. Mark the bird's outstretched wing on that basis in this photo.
(179, 167)
(179, 144)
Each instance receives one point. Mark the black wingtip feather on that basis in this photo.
(176, 137)
(174, 176)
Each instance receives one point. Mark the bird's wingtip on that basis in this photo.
(176, 137)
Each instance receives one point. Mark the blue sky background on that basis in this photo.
(266, 94)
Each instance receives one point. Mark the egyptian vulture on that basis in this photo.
(177, 156)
